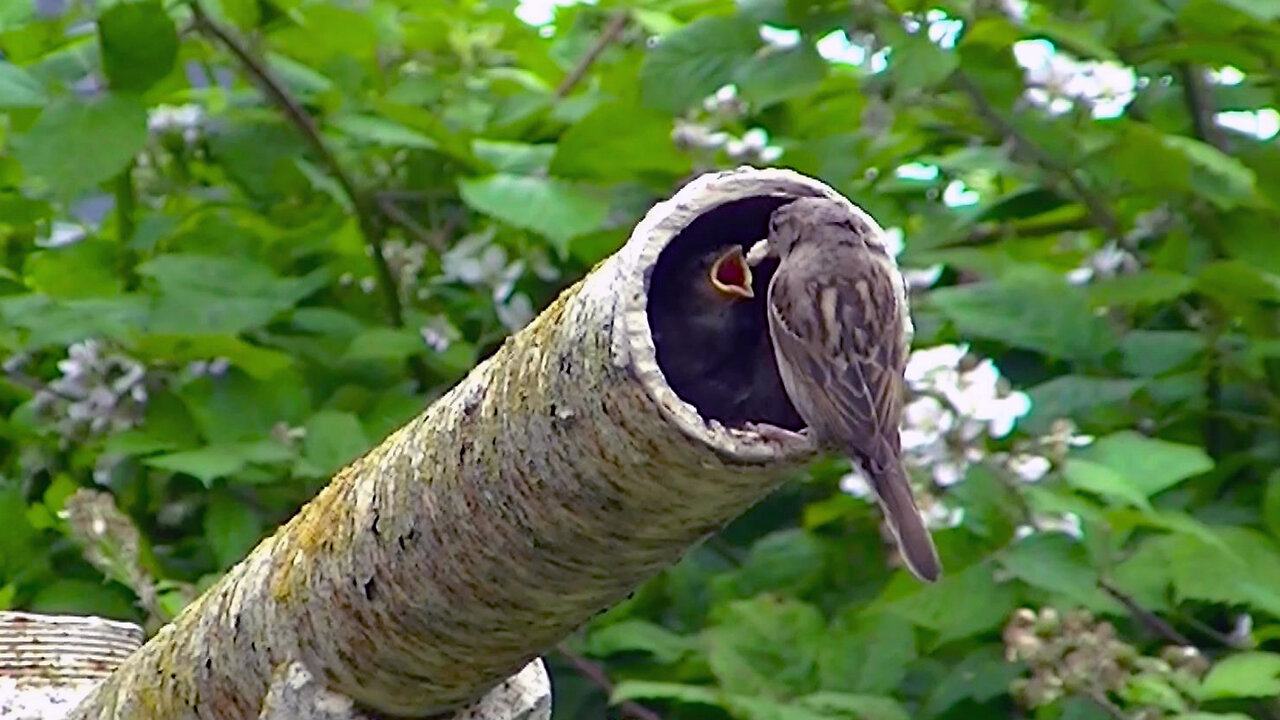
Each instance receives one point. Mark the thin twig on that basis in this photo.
(1103, 703)
(1199, 101)
(593, 53)
(1098, 209)
(366, 215)
(1150, 620)
(396, 214)
(35, 385)
(991, 232)
(596, 675)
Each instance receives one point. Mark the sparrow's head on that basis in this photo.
(803, 219)
(728, 274)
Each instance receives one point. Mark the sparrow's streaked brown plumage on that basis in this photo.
(835, 309)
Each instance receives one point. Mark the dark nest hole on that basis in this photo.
(721, 362)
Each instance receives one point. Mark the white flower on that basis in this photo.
(62, 234)
(1028, 467)
(941, 517)
(185, 120)
(1066, 523)
(949, 472)
(855, 485)
(928, 363)
(923, 278)
(924, 421)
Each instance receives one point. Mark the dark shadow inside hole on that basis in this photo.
(718, 357)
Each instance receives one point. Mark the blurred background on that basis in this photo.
(245, 239)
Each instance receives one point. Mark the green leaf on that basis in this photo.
(207, 295)
(52, 322)
(384, 344)
(1243, 675)
(555, 208)
(380, 131)
(519, 158)
(258, 362)
(210, 463)
(1271, 505)
(959, 605)
(593, 148)
(866, 652)
(1148, 464)
(694, 61)
(81, 270)
(982, 675)
(1261, 10)
(1144, 288)
(139, 44)
(766, 644)
(787, 561)
(1030, 309)
(72, 596)
(1224, 180)
(655, 690)
(1058, 564)
(1234, 280)
(333, 439)
(1240, 566)
(1105, 482)
(77, 143)
(774, 75)
(19, 89)
(1078, 397)
(639, 636)
(1154, 352)
(230, 528)
(919, 63)
(862, 707)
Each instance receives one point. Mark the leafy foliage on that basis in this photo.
(216, 289)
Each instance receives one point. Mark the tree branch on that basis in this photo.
(1150, 620)
(596, 675)
(446, 558)
(366, 216)
(593, 53)
(1098, 209)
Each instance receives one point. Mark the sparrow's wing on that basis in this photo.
(834, 316)
(835, 320)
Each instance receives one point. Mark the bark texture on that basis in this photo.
(544, 487)
(48, 663)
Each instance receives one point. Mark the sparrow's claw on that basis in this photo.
(773, 433)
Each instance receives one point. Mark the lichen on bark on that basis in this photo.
(556, 477)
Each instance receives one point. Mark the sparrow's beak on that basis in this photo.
(731, 275)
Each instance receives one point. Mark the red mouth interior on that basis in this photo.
(732, 272)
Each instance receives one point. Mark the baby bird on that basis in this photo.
(703, 322)
(835, 309)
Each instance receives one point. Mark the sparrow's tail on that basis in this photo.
(914, 542)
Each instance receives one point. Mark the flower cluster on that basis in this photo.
(1056, 81)
(1074, 654)
(476, 260)
(185, 121)
(955, 404)
(99, 391)
(704, 131)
